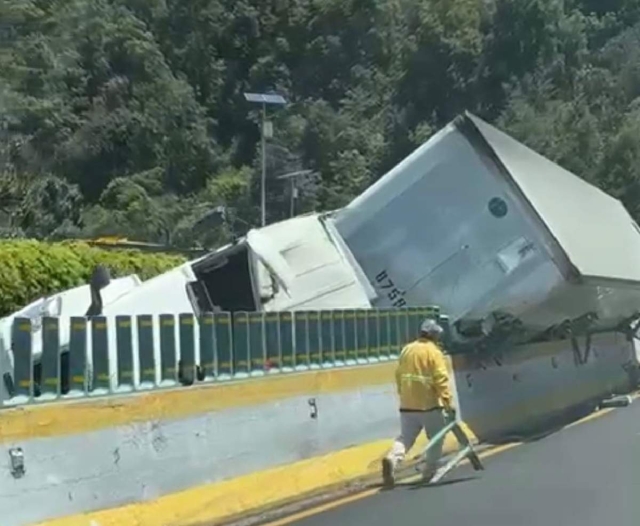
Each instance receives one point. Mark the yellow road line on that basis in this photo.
(593, 416)
(370, 492)
(324, 507)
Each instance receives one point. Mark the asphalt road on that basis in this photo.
(586, 475)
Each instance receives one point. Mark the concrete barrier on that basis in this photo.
(187, 455)
(196, 455)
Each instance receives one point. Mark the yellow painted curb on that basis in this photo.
(214, 502)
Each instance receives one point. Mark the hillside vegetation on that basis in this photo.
(127, 116)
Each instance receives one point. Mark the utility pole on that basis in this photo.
(292, 176)
(263, 175)
(266, 128)
(293, 197)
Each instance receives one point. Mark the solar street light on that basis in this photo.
(264, 99)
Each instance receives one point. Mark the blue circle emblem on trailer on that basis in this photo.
(498, 207)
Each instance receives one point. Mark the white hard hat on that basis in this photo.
(430, 326)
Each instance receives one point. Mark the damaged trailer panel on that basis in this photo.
(479, 224)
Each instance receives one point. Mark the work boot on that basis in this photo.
(388, 475)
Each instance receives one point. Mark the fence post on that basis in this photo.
(124, 351)
(327, 339)
(384, 333)
(373, 334)
(300, 333)
(240, 344)
(313, 339)
(146, 351)
(50, 359)
(350, 340)
(272, 342)
(101, 382)
(395, 344)
(257, 355)
(415, 315)
(187, 366)
(362, 351)
(168, 360)
(207, 346)
(338, 337)
(22, 346)
(78, 370)
(285, 320)
(224, 344)
(403, 327)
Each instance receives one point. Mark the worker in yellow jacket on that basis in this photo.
(422, 380)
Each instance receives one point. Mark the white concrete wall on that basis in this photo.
(66, 475)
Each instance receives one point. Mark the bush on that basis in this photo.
(31, 269)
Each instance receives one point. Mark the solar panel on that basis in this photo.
(265, 98)
(295, 174)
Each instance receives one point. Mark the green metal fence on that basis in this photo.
(124, 353)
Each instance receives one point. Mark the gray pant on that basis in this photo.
(411, 424)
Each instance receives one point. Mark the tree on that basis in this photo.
(51, 208)
(620, 170)
(132, 111)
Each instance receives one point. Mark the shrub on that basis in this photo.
(31, 269)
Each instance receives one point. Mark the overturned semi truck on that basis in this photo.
(502, 239)
(511, 246)
(492, 232)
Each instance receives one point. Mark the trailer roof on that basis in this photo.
(594, 230)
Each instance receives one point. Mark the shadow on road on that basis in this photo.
(423, 485)
(449, 482)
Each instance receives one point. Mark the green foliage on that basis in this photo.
(130, 114)
(51, 207)
(30, 269)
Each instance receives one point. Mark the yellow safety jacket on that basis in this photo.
(422, 377)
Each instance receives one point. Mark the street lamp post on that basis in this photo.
(264, 99)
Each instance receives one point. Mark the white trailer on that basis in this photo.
(477, 223)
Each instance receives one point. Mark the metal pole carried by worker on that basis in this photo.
(426, 401)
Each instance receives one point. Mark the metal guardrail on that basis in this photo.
(125, 353)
